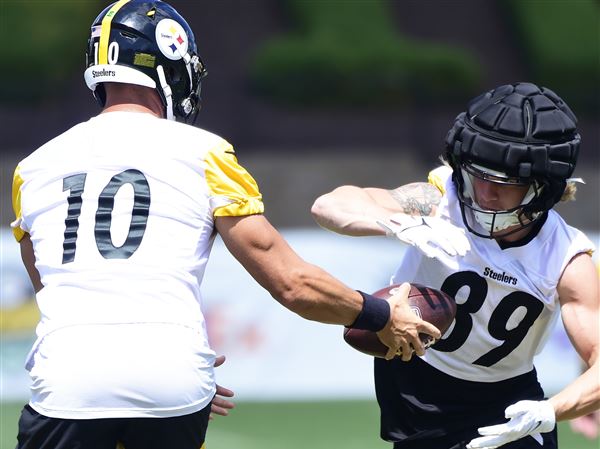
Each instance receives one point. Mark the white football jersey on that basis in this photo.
(507, 299)
(120, 210)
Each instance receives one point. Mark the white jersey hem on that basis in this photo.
(90, 413)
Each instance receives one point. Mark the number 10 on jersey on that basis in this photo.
(75, 184)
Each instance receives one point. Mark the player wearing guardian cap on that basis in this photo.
(517, 135)
(512, 264)
(116, 218)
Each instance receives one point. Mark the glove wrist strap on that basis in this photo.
(374, 315)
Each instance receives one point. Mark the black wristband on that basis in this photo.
(374, 315)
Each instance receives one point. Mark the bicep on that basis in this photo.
(28, 257)
(579, 294)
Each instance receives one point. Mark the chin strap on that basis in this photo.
(168, 93)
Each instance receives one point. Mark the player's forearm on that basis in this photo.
(315, 295)
(347, 224)
(580, 397)
(347, 210)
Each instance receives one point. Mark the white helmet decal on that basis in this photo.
(171, 39)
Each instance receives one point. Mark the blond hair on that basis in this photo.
(570, 191)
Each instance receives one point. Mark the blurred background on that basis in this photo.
(312, 94)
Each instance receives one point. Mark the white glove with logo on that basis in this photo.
(526, 418)
(434, 236)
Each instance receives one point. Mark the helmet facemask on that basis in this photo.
(496, 223)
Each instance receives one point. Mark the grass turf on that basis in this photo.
(290, 425)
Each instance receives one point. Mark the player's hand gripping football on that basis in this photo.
(434, 236)
(220, 405)
(526, 418)
(401, 334)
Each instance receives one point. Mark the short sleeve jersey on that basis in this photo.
(121, 210)
(507, 298)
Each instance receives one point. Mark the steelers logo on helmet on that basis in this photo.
(171, 39)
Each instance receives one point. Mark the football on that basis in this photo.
(431, 305)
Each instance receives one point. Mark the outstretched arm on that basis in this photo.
(308, 290)
(303, 288)
(352, 210)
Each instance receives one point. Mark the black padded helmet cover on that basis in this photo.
(522, 130)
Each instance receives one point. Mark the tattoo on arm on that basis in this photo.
(419, 198)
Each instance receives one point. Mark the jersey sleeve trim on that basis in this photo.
(233, 191)
(18, 232)
(438, 178)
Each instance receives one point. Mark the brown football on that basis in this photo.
(429, 304)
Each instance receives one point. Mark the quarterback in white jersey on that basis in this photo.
(116, 218)
(120, 212)
(486, 234)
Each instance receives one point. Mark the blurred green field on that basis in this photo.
(291, 425)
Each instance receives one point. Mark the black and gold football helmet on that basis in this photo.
(149, 44)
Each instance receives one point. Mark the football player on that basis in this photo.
(116, 218)
(511, 262)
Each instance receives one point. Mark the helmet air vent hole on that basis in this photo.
(128, 35)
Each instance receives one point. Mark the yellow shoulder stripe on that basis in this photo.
(16, 202)
(435, 180)
(233, 190)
